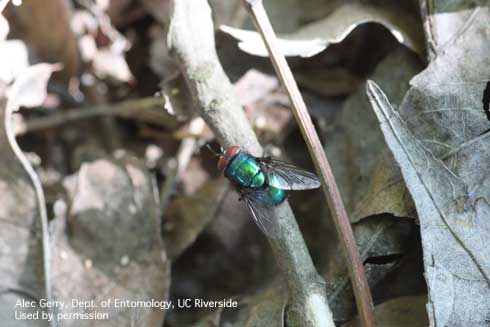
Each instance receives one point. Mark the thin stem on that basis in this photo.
(339, 214)
(147, 110)
(41, 201)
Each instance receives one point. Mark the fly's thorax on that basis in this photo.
(245, 171)
(276, 195)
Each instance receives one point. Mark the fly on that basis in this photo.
(262, 183)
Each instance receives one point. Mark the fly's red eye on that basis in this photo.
(232, 151)
(222, 162)
(225, 158)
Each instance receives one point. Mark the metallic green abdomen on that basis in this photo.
(245, 171)
(276, 195)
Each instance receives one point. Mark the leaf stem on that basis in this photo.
(339, 214)
(41, 201)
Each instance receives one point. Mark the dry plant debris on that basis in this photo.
(110, 121)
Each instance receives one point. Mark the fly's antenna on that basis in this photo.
(213, 151)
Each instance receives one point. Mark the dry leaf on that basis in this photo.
(111, 63)
(88, 47)
(30, 87)
(438, 138)
(159, 9)
(161, 62)
(266, 308)
(377, 237)
(254, 85)
(45, 27)
(83, 22)
(114, 248)
(14, 59)
(100, 43)
(355, 146)
(313, 38)
(4, 28)
(188, 216)
(400, 312)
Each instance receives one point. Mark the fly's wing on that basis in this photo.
(286, 176)
(262, 210)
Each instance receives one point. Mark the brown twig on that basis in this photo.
(149, 110)
(342, 223)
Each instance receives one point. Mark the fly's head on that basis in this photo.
(227, 156)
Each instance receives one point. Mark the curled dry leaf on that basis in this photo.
(30, 87)
(438, 138)
(313, 38)
(251, 42)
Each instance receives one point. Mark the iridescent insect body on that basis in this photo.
(262, 183)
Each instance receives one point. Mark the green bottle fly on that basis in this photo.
(245, 171)
(262, 183)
